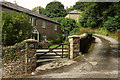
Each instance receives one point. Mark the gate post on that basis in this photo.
(74, 46)
(30, 56)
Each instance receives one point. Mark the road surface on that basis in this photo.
(101, 62)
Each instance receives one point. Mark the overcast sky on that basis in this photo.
(30, 4)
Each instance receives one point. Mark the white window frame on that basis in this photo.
(35, 22)
(43, 24)
(35, 31)
(55, 27)
(31, 20)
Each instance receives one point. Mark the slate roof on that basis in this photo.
(75, 12)
(22, 9)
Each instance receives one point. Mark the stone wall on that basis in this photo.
(24, 61)
(79, 44)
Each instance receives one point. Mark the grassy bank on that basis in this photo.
(102, 31)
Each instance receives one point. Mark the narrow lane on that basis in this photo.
(101, 62)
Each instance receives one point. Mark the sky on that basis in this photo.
(30, 4)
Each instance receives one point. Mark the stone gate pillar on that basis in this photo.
(74, 46)
(30, 56)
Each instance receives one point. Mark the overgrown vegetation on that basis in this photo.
(15, 28)
(10, 53)
(68, 25)
(101, 15)
(59, 38)
(102, 31)
(55, 9)
(101, 18)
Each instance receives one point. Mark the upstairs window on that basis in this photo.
(43, 24)
(35, 22)
(31, 20)
(55, 27)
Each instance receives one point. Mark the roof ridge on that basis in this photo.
(28, 11)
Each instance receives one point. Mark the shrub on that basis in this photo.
(112, 23)
(59, 38)
(15, 28)
(68, 25)
(9, 52)
(103, 31)
(84, 30)
(44, 44)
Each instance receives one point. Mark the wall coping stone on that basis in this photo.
(31, 40)
(81, 36)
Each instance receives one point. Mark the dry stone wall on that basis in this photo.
(79, 44)
(23, 62)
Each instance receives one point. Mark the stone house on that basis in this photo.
(43, 26)
(74, 15)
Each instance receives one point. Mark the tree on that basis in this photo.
(55, 9)
(101, 15)
(15, 28)
(81, 6)
(68, 25)
(41, 9)
(69, 9)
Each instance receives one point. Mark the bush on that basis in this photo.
(68, 25)
(112, 23)
(44, 44)
(59, 38)
(15, 28)
(84, 30)
(9, 52)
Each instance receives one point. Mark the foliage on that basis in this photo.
(81, 5)
(59, 38)
(112, 23)
(68, 25)
(44, 44)
(103, 31)
(9, 53)
(84, 30)
(15, 28)
(101, 15)
(55, 9)
(69, 9)
(41, 9)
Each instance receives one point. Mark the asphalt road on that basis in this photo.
(101, 62)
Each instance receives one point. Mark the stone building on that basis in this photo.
(74, 15)
(43, 26)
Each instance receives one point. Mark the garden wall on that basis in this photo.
(79, 44)
(19, 59)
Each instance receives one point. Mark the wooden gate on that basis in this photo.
(60, 47)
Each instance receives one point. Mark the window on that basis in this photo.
(43, 24)
(55, 27)
(31, 20)
(35, 22)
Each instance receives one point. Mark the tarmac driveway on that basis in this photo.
(101, 62)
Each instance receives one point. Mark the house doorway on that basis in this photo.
(36, 34)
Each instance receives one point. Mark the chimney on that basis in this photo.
(15, 2)
(38, 10)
